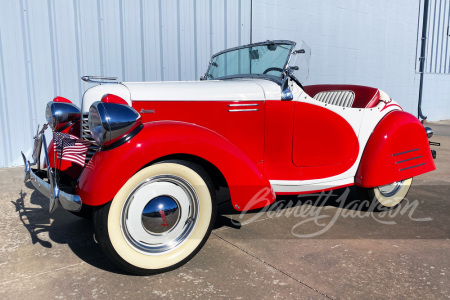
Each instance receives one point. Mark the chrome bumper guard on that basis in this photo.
(49, 189)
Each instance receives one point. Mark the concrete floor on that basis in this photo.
(329, 248)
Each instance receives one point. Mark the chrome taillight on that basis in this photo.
(109, 122)
(60, 113)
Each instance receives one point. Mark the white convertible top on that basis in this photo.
(208, 90)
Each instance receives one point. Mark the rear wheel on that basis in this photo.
(386, 196)
(159, 219)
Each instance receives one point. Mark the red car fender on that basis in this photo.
(398, 149)
(108, 171)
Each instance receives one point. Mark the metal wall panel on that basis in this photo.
(437, 56)
(371, 42)
(46, 46)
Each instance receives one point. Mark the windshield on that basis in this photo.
(266, 59)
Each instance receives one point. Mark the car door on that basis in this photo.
(324, 144)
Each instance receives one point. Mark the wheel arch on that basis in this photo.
(224, 162)
(214, 173)
(397, 149)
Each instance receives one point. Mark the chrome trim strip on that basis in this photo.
(251, 104)
(400, 153)
(402, 161)
(236, 110)
(147, 111)
(412, 167)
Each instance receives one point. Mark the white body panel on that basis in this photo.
(97, 92)
(210, 90)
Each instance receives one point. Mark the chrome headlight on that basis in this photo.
(59, 113)
(109, 122)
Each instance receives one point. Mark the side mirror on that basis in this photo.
(286, 93)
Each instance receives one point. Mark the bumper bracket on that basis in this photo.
(49, 189)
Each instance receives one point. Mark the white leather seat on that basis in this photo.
(342, 98)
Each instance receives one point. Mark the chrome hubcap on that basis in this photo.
(392, 189)
(160, 214)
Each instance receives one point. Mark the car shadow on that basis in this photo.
(62, 227)
(345, 198)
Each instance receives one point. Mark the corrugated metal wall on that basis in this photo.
(46, 46)
(437, 56)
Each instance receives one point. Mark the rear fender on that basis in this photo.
(108, 171)
(398, 149)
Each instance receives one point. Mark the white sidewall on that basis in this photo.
(176, 255)
(397, 198)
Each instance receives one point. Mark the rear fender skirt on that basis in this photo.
(108, 171)
(398, 149)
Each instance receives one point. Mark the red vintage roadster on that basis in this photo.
(145, 159)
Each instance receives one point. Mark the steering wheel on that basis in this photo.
(273, 69)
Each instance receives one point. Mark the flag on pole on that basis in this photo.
(71, 148)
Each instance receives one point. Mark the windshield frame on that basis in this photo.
(263, 76)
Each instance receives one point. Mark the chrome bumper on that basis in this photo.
(49, 189)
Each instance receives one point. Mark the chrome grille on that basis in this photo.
(86, 135)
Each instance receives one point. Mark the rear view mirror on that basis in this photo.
(253, 54)
(272, 47)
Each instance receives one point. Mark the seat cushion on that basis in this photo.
(342, 98)
(345, 95)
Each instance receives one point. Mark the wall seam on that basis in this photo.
(161, 49)
(27, 58)
(5, 111)
(78, 43)
(141, 5)
(178, 40)
(122, 48)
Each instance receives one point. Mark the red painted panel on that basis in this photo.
(105, 175)
(398, 149)
(111, 98)
(324, 143)
(278, 147)
(244, 129)
(61, 99)
(365, 97)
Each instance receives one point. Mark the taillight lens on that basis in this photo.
(109, 122)
(60, 113)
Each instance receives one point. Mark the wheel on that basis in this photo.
(386, 196)
(159, 219)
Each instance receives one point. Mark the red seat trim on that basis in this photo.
(365, 96)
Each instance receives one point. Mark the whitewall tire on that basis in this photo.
(386, 196)
(159, 219)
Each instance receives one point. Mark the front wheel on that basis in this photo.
(159, 219)
(386, 196)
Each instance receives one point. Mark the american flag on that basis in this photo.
(69, 147)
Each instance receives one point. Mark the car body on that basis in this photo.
(249, 125)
